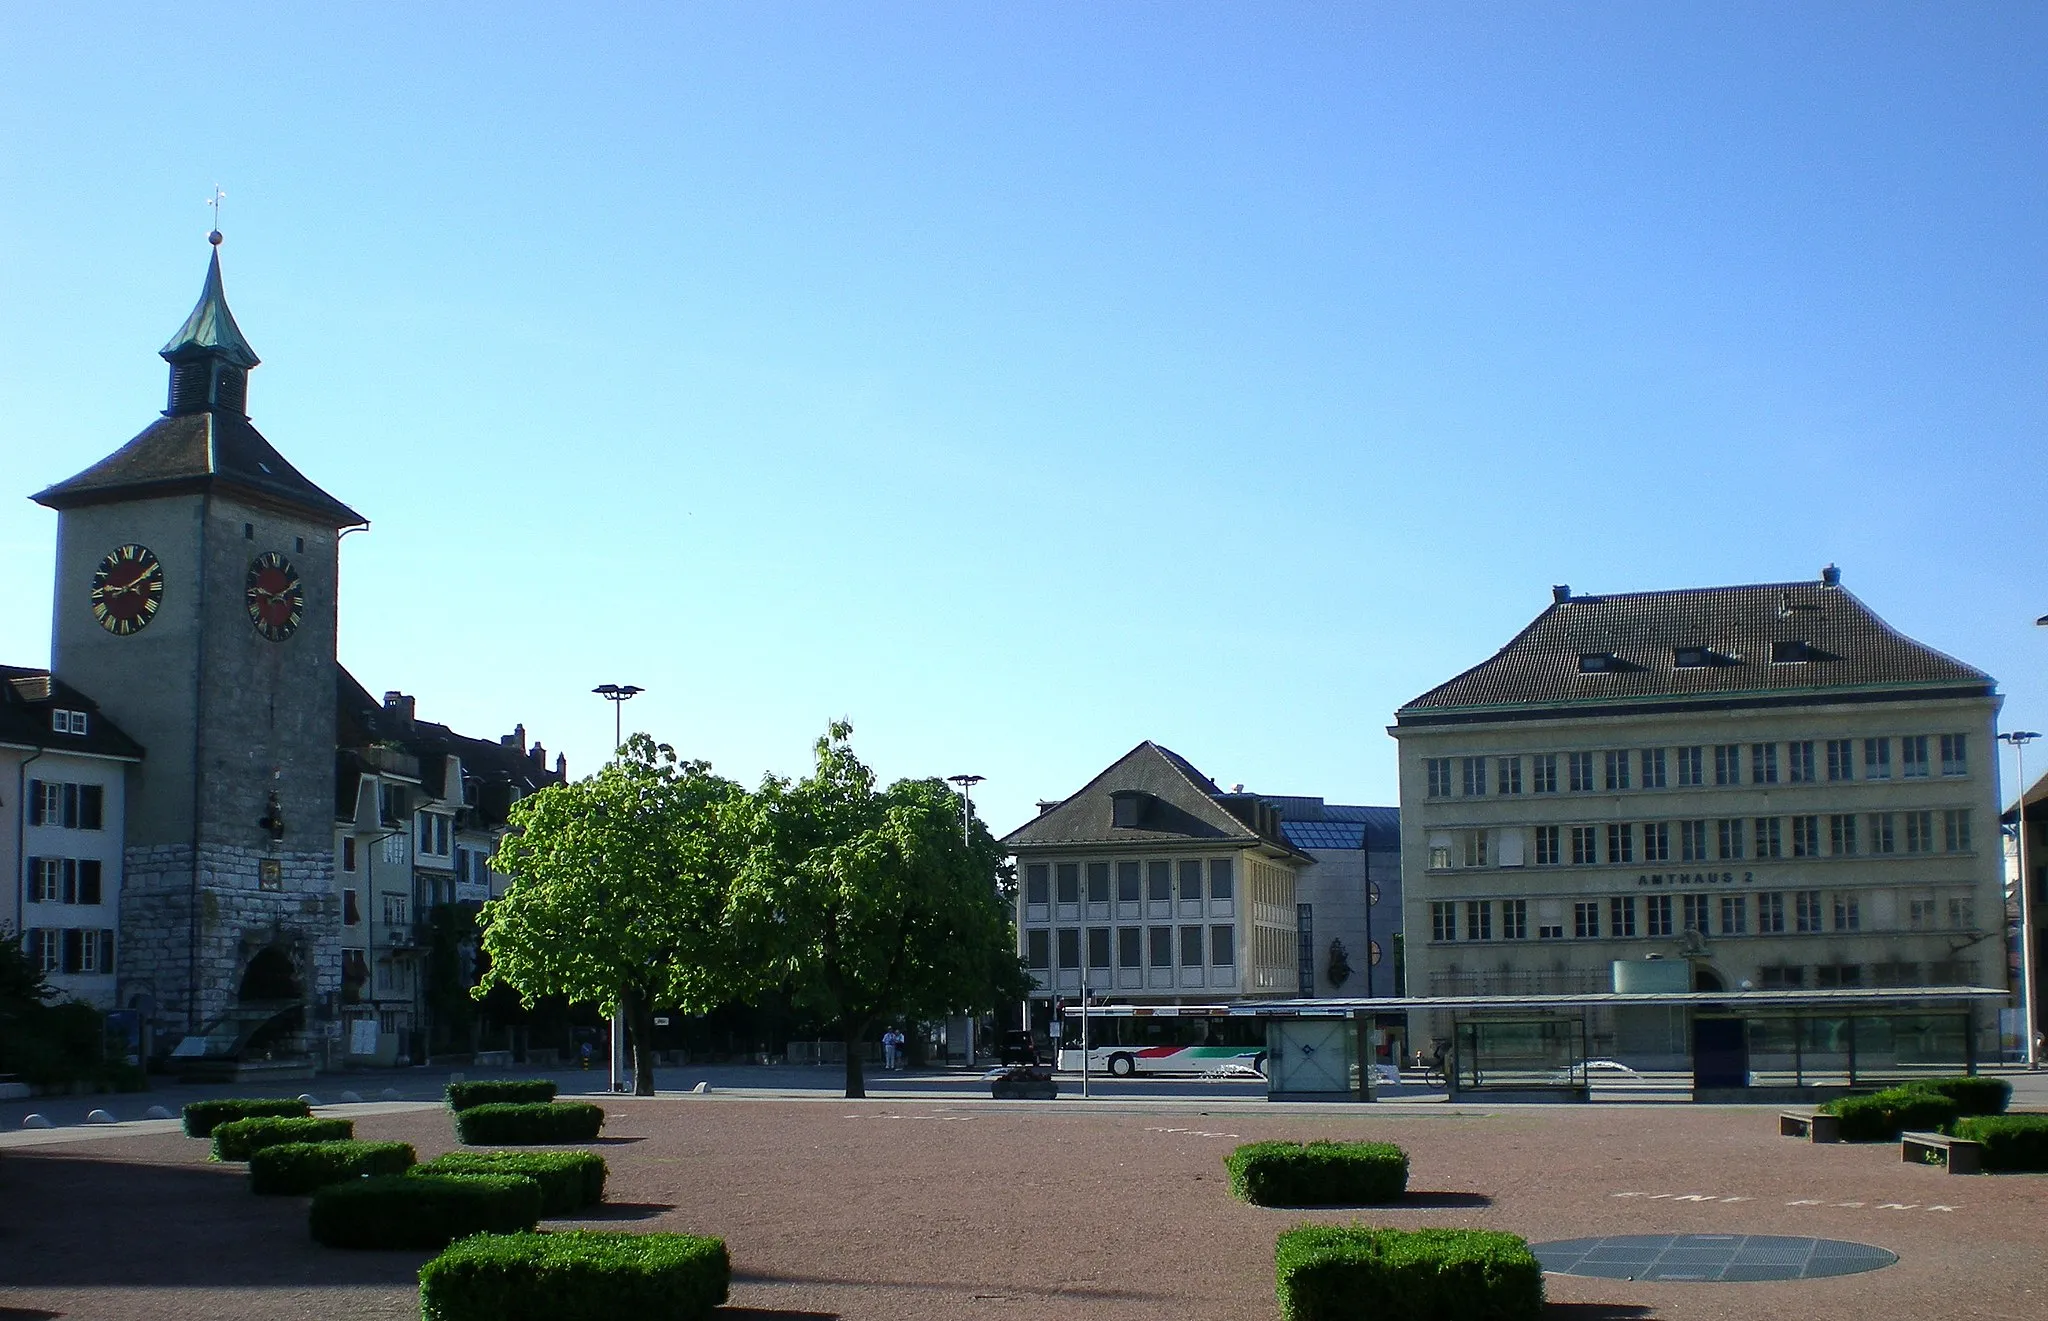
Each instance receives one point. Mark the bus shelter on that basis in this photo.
(1756, 1046)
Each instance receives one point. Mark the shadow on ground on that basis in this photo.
(1071, 1293)
(1595, 1312)
(202, 1228)
(621, 1211)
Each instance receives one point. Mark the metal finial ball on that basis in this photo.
(214, 238)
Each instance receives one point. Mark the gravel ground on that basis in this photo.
(903, 1209)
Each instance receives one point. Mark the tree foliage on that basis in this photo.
(619, 895)
(869, 903)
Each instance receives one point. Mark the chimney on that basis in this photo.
(1831, 577)
(539, 756)
(515, 740)
(1048, 804)
(1560, 593)
(399, 704)
(562, 766)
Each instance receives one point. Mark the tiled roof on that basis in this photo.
(1184, 805)
(198, 451)
(28, 696)
(502, 771)
(1766, 639)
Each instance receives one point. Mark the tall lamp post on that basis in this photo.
(966, 783)
(618, 694)
(2029, 1009)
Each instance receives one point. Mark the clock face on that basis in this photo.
(127, 588)
(276, 597)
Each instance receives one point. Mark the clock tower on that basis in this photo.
(195, 601)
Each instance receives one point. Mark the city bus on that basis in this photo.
(1194, 1043)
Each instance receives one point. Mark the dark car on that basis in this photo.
(1019, 1048)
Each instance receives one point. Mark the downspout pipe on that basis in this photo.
(21, 844)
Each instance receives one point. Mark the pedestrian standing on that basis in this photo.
(889, 1040)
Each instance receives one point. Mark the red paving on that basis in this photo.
(879, 1209)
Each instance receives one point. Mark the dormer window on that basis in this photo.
(68, 722)
(1791, 653)
(1127, 808)
(1700, 658)
(1598, 662)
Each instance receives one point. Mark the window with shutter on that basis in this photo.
(74, 949)
(92, 800)
(88, 880)
(36, 798)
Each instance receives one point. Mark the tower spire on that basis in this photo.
(210, 359)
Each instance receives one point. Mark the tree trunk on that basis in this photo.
(640, 1027)
(856, 1037)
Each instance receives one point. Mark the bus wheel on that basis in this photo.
(1123, 1066)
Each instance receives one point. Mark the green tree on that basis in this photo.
(869, 904)
(620, 885)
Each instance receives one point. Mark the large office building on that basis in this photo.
(1765, 785)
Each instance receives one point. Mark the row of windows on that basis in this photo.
(1805, 761)
(1831, 976)
(72, 806)
(64, 880)
(1133, 879)
(1727, 839)
(1770, 913)
(70, 949)
(1136, 947)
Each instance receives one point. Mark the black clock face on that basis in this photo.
(127, 588)
(276, 597)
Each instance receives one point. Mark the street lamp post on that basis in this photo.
(618, 694)
(2029, 1010)
(966, 783)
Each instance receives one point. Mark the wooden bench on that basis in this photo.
(1809, 1124)
(1960, 1155)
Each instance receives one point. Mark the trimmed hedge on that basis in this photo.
(238, 1138)
(421, 1210)
(1334, 1273)
(304, 1167)
(1972, 1095)
(202, 1117)
(1318, 1173)
(1882, 1116)
(2011, 1142)
(576, 1276)
(569, 1180)
(512, 1125)
(512, 1091)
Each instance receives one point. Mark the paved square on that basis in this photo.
(901, 1209)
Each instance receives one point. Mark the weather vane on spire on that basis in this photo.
(219, 196)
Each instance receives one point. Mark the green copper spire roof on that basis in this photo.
(211, 328)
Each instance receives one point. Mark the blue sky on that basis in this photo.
(1022, 382)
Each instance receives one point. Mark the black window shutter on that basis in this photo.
(35, 803)
(70, 880)
(91, 806)
(71, 806)
(88, 880)
(106, 951)
(35, 880)
(74, 949)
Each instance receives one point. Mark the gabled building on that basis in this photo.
(64, 770)
(1151, 882)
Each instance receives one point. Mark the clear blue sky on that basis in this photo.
(1025, 381)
